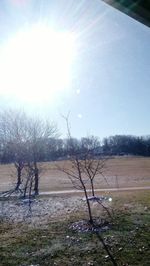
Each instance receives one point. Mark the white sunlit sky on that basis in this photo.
(77, 56)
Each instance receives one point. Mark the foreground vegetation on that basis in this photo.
(57, 244)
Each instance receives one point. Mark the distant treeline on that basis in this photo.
(50, 149)
(126, 145)
(26, 140)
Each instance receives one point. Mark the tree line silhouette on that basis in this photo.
(41, 146)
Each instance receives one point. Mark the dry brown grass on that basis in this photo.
(130, 171)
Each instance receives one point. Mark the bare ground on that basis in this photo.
(42, 209)
(55, 208)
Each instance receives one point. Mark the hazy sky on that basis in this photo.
(108, 91)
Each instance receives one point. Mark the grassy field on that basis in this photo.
(55, 243)
(130, 171)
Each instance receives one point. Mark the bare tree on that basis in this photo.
(24, 137)
(85, 165)
(13, 134)
(39, 132)
(29, 180)
(93, 163)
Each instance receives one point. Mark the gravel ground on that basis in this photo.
(42, 209)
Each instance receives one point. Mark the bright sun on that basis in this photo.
(36, 64)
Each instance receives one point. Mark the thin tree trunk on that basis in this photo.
(92, 188)
(36, 179)
(25, 189)
(30, 193)
(19, 181)
(85, 192)
(88, 204)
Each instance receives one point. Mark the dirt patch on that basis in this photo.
(42, 210)
(99, 225)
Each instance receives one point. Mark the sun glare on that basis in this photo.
(36, 64)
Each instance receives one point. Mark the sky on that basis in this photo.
(105, 85)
